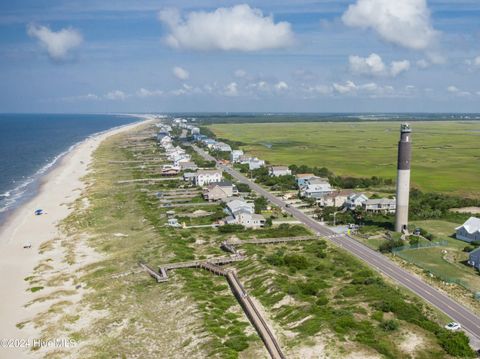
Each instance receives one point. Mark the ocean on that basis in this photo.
(31, 144)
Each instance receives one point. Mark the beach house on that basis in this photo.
(380, 205)
(205, 177)
(355, 200)
(277, 171)
(474, 258)
(235, 155)
(469, 231)
(218, 191)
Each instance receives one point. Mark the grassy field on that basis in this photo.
(449, 265)
(446, 155)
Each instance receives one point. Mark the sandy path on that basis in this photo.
(59, 188)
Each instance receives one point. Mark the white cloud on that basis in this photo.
(116, 95)
(402, 22)
(181, 73)
(236, 28)
(373, 65)
(455, 90)
(58, 44)
(422, 64)
(370, 89)
(240, 73)
(231, 89)
(452, 89)
(142, 92)
(281, 86)
(397, 67)
(349, 86)
(473, 63)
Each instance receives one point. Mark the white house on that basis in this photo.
(355, 200)
(255, 163)
(277, 171)
(222, 147)
(250, 220)
(244, 213)
(238, 205)
(469, 231)
(235, 155)
(380, 205)
(204, 177)
(316, 190)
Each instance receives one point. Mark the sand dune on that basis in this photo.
(59, 188)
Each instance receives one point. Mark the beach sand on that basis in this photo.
(59, 188)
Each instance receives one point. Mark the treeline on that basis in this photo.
(282, 183)
(343, 181)
(438, 205)
(235, 145)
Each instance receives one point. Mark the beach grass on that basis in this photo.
(445, 154)
(124, 313)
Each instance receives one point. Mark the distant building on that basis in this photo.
(334, 199)
(469, 231)
(255, 163)
(380, 205)
(239, 205)
(355, 200)
(474, 258)
(168, 170)
(277, 171)
(222, 147)
(205, 177)
(243, 213)
(302, 178)
(189, 176)
(315, 187)
(235, 155)
(218, 191)
(188, 166)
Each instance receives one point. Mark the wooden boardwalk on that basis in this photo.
(251, 311)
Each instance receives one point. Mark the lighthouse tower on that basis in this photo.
(403, 177)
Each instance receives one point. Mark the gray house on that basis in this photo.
(469, 231)
(474, 258)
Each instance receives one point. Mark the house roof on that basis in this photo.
(305, 175)
(472, 225)
(318, 180)
(475, 251)
(208, 172)
(237, 205)
(220, 184)
(380, 201)
(279, 168)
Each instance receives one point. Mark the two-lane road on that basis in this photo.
(459, 313)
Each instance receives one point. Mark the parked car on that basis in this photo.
(453, 326)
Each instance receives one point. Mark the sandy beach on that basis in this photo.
(59, 188)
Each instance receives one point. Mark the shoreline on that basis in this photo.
(57, 190)
(30, 187)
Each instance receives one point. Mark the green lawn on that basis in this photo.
(446, 155)
(449, 265)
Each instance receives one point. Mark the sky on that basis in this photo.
(226, 56)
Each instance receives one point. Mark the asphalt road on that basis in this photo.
(469, 321)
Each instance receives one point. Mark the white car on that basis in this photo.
(453, 326)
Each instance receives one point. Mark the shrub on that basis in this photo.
(389, 325)
(296, 261)
(468, 249)
(231, 228)
(389, 245)
(455, 344)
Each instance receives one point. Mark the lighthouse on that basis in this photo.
(403, 177)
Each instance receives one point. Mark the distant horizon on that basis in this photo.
(243, 113)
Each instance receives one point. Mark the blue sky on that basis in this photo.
(278, 55)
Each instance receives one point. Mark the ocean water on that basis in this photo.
(31, 144)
